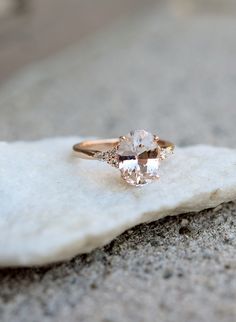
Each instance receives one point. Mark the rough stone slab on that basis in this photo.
(54, 205)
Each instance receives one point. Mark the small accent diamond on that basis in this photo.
(109, 156)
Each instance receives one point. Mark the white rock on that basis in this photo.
(55, 206)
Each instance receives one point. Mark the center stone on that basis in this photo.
(138, 157)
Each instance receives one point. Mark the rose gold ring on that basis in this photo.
(137, 155)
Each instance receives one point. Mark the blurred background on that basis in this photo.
(31, 30)
(101, 68)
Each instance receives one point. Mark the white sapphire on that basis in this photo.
(138, 157)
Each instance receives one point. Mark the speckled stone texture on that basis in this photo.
(168, 69)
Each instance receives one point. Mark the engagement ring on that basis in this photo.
(137, 155)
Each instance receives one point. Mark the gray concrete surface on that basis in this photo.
(170, 69)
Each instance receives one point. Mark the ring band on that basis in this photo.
(137, 154)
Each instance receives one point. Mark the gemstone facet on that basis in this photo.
(138, 156)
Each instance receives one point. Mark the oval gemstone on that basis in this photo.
(138, 157)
